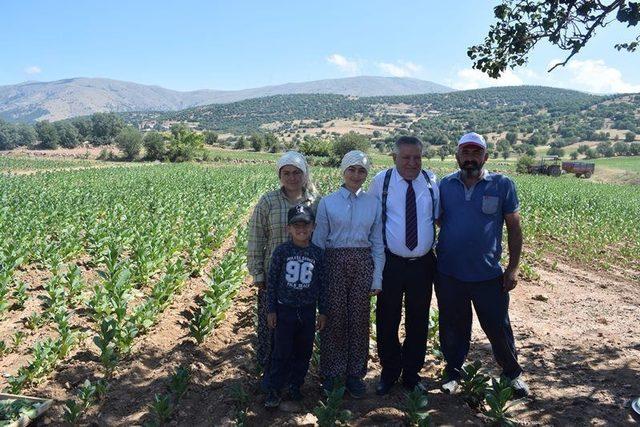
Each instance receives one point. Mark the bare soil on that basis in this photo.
(576, 331)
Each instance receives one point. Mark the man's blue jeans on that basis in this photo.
(491, 305)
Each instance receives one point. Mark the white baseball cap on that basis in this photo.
(472, 138)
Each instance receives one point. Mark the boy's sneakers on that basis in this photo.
(294, 393)
(451, 387)
(356, 387)
(520, 388)
(273, 399)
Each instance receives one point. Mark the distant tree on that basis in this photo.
(129, 140)
(555, 151)
(429, 153)
(512, 137)
(271, 141)
(25, 135)
(184, 145)
(348, 142)
(591, 153)
(574, 155)
(621, 148)
(443, 152)
(7, 136)
(522, 166)
(47, 135)
(506, 153)
(241, 144)
(105, 127)
(68, 134)
(313, 146)
(155, 146)
(629, 137)
(582, 149)
(567, 24)
(84, 125)
(210, 138)
(530, 150)
(503, 145)
(605, 149)
(538, 138)
(257, 141)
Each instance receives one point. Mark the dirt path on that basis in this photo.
(576, 332)
(579, 348)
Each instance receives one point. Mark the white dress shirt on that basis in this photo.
(396, 206)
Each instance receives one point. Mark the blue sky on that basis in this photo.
(186, 45)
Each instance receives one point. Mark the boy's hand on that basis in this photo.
(271, 320)
(375, 292)
(322, 321)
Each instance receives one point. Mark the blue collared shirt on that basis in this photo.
(471, 220)
(352, 220)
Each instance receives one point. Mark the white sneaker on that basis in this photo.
(520, 388)
(451, 387)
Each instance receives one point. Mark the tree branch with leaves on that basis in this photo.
(567, 24)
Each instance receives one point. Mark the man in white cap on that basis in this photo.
(475, 204)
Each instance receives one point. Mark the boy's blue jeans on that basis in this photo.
(491, 305)
(293, 345)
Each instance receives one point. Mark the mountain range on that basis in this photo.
(62, 99)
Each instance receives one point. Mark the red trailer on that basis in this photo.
(579, 168)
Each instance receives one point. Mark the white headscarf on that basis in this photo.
(355, 158)
(293, 158)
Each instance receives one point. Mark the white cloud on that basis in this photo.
(593, 75)
(401, 69)
(345, 65)
(469, 78)
(33, 69)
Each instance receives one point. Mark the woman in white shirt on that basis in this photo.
(349, 227)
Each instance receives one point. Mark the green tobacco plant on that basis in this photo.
(241, 404)
(331, 414)
(473, 384)
(416, 407)
(72, 411)
(106, 342)
(434, 332)
(179, 381)
(20, 295)
(498, 398)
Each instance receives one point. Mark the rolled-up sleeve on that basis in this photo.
(257, 240)
(377, 248)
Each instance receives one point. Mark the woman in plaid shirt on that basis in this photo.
(268, 229)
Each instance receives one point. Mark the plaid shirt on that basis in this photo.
(268, 229)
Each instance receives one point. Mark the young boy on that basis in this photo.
(294, 288)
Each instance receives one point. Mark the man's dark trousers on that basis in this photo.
(491, 304)
(293, 345)
(412, 278)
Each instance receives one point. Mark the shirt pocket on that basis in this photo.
(490, 204)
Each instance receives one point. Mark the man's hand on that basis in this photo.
(260, 285)
(322, 321)
(271, 320)
(510, 279)
(375, 292)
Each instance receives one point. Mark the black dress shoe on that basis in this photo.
(384, 387)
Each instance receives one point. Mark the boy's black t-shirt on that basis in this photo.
(296, 277)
